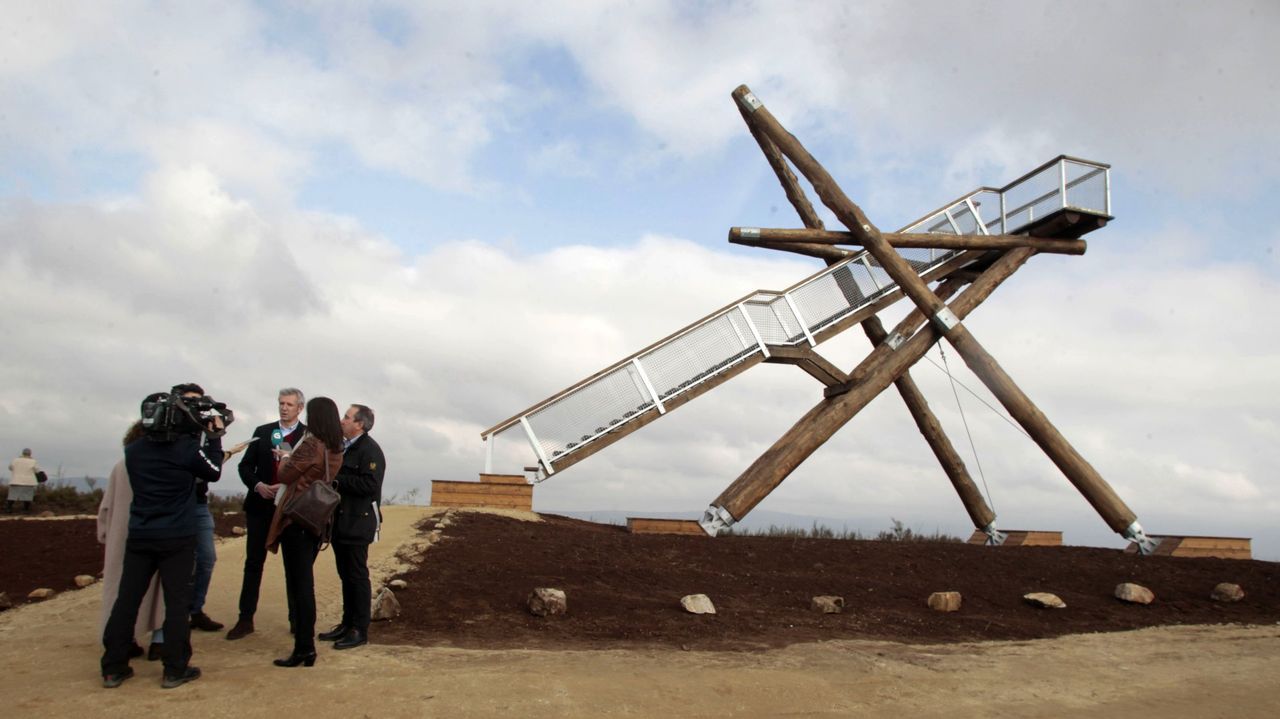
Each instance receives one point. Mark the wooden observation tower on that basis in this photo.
(965, 250)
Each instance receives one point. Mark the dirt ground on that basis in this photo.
(465, 646)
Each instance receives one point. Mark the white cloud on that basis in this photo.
(196, 259)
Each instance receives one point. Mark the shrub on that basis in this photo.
(897, 533)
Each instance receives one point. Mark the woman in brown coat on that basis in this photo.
(317, 458)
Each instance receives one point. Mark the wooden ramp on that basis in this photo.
(495, 491)
(1022, 538)
(1191, 546)
(647, 525)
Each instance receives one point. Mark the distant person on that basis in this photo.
(22, 482)
(356, 525)
(113, 531)
(179, 448)
(258, 469)
(317, 458)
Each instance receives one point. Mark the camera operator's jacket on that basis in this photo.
(163, 477)
(359, 516)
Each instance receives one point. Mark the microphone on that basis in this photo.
(276, 437)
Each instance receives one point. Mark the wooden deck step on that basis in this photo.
(1022, 538)
(503, 479)
(1197, 546)
(649, 525)
(492, 494)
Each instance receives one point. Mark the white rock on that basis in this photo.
(827, 604)
(238, 531)
(1134, 593)
(398, 584)
(84, 580)
(697, 604)
(945, 601)
(385, 605)
(42, 593)
(1227, 592)
(1045, 600)
(546, 601)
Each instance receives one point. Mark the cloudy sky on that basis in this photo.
(449, 211)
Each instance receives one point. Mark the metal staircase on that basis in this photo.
(576, 422)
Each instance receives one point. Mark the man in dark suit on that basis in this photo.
(356, 525)
(258, 469)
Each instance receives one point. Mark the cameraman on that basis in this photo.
(163, 467)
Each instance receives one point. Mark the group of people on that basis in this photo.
(158, 530)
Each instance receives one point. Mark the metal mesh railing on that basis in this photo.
(646, 381)
(1062, 183)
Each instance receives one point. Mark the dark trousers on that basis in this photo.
(352, 561)
(174, 558)
(300, 548)
(255, 558)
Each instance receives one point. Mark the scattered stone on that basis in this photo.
(944, 601)
(545, 601)
(385, 605)
(238, 531)
(398, 584)
(5, 602)
(1227, 592)
(1134, 593)
(697, 604)
(827, 604)
(1045, 600)
(84, 580)
(42, 593)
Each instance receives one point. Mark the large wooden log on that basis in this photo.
(876, 372)
(828, 253)
(979, 511)
(952, 464)
(901, 240)
(1078, 471)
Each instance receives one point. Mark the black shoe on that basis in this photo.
(295, 659)
(190, 674)
(354, 638)
(111, 681)
(155, 652)
(243, 628)
(136, 650)
(339, 631)
(201, 621)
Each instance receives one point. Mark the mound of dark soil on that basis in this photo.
(625, 590)
(37, 553)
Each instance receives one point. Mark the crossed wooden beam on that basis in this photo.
(895, 352)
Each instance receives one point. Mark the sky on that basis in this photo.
(450, 211)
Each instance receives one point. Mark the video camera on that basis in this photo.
(168, 415)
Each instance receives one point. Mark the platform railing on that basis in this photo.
(1062, 183)
(648, 380)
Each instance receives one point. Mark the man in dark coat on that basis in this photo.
(164, 467)
(356, 525)
(258, 468)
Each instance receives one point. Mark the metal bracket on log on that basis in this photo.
(1146, 545)
(995, 537)
(715, 519)
(945, 319)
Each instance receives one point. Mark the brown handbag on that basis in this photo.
(313, 509)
